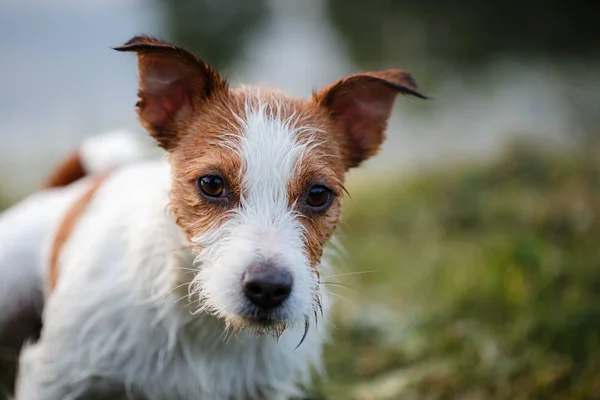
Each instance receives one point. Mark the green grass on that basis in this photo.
(487, 283)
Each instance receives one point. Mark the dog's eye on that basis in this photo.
(211, 186)
(319, 197)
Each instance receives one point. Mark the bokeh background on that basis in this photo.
(472, 242)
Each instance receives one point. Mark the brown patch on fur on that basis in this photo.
(67, 225)
(205, 148)
(68, 171)
(321, 165)
(186, 106)
(173, 83)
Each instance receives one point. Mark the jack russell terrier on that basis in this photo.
(200, 277)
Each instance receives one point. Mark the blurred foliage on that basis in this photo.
(391, 31)
(466, 31)
(486, 284)
(215, 30)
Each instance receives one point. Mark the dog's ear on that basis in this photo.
(172, 83)
(360, 105)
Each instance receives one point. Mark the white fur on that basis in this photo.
(265, 227)
(120, 317)
(30, 223)
(22, 229)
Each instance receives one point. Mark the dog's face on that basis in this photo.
(258, 176)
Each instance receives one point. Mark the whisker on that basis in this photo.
(351, 273)
(331, 321)
(178, 286)
(181, 298)
(319, 304)
(306, 327)
(342, 297)
(342, 285)
(186, 296)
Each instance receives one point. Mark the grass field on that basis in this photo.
(486, 283)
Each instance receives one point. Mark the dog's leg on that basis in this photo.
(44, 376)
(50, 369)
(53, 368)
(38, 379)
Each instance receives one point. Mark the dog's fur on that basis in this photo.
(148, 300)
(26, 226)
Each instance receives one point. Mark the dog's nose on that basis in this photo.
(267, 286)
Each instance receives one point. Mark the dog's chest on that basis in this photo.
(205, 362)
(132, 331)
(153, 355)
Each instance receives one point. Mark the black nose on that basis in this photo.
(266, 285)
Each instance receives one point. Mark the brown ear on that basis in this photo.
(361, 105)
(172, 82)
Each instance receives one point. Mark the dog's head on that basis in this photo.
(258, 176)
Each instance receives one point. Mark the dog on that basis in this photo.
(199, 276)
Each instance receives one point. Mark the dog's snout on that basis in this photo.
(266, 285)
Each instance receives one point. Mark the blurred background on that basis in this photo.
(472, 262)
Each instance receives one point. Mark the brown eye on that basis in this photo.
(211, 186)
(319, 197)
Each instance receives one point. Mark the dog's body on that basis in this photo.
(200, 277)
(130, 329)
